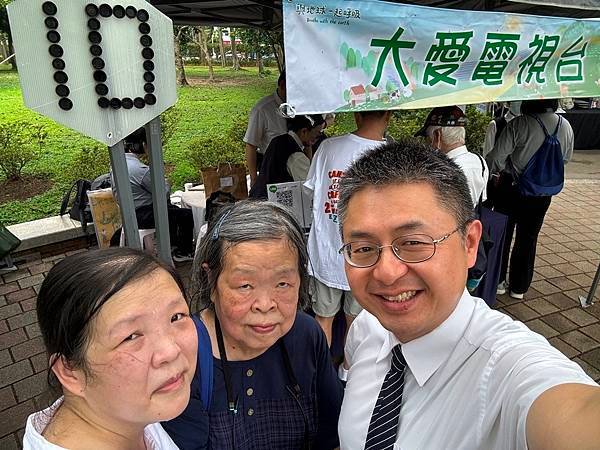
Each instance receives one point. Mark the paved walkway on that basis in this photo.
(568, 254)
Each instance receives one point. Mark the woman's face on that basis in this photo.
(256, 296)
(142, 353)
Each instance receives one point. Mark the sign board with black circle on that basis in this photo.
(103, 69)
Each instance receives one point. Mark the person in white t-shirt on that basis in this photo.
(264, 124)
(122, 347)
(328, 283)
(430, 366)
(444, 128)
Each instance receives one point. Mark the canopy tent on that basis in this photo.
(267, 13)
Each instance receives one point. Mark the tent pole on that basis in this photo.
(589, 301)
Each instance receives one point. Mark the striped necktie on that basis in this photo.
(384, 421)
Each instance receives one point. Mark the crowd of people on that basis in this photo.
(393, 234)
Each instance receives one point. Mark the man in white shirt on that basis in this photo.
(264, 124)
(328, 281)
(444, 128)
(469, 377)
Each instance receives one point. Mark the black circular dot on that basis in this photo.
(94, 37)
(53, 36)
(148, 65)
(91, 10)
(146, 40)
(148, 53)
(118, 11)
(51, 22)
(127, 103)
(60, 77)
(101, 89)
(49, 8)
(93, 24)
(100, 76)
(131, 12)
(143, 15)
(58, 64)
(139, 102)
(105, 10)
(103, 102)
(150, 99)
(149, 88)
(95, 50)
(65, 103)
(62, 90)
(144, 28)
(115, 103)
(56, 50)
(98, 63)
(149, 77)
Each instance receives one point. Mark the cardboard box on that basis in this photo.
(295, 196)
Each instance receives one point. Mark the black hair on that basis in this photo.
(539, 106)
(281, 77)
(404, 162)
(75, 290)
(298, 122)
(375, 113)
(134, 143)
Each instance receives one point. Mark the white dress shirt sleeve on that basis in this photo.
(298, 165)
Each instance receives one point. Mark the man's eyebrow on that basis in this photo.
(408, 227)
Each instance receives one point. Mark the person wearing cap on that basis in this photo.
(444, 128)
(288, 155)
(328, 282)
(264, 124)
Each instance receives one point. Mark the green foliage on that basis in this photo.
(20, 143)
(90, 162)
(405, 123)
(476, 127)
(168, 123)
(347, 95)
(350, 59)
(344, 50)
(210, 151)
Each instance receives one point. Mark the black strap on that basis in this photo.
(482, 175)
(226, 370)
(65, 200)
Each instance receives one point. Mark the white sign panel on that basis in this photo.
(103, 69)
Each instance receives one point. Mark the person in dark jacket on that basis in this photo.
(288, 155)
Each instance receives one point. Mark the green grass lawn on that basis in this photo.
(203, 109)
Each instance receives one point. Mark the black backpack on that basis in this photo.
(81, 205)
(217, 200)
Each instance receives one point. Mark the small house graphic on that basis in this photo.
(372, 93)
(358, 95)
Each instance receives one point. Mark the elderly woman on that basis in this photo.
(122, 347)
(273, 385)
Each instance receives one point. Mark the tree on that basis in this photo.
(221, 46)
(202, 40)
(234, 55)
(5, 28)
(179, 66)
(256, 40)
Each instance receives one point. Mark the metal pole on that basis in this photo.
(124, 195)
(589, 301)
(159, 194)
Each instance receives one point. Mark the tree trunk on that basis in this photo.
(221, 47)
(204, 47)
(179, 67)
(236, 61)
(259, 61)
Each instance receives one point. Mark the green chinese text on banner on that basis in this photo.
(365, 55)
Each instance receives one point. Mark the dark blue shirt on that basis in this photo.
(268, 415)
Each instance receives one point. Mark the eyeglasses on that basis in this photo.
(412, 248)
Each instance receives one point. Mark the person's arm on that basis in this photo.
(568, 153)
(565, 417)
(297, 166)
(490, 138)
(251, 162)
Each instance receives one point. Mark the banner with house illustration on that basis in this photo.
(363, 55)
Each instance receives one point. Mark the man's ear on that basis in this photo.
(72, 380)
(472, 237)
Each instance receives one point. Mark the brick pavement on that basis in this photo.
(568, 254)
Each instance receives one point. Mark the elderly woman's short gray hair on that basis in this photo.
(244, 221)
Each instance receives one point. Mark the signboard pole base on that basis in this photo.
(589, 301)
(125, 197)
(159, 196)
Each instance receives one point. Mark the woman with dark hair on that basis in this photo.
(122, 349)
(288, 156)
(273, 386)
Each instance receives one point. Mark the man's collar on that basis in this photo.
(426, 354)
(460, 150)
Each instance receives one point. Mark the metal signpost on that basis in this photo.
(103, 69)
